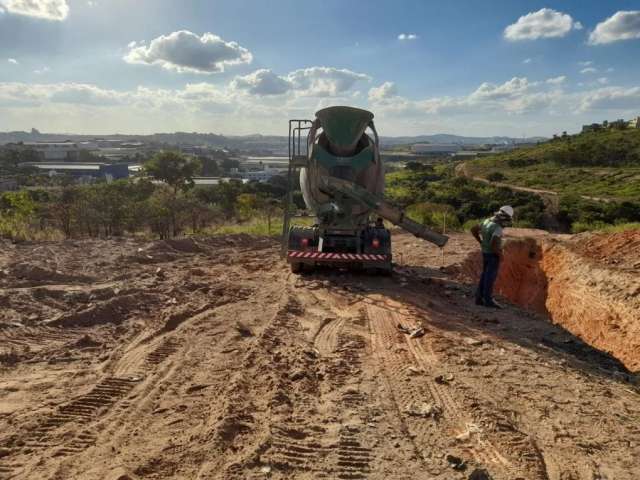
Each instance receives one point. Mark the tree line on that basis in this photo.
(164, 201)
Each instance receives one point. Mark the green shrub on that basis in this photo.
(496, 177)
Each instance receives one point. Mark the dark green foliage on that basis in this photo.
(469, 199)
(496, 177)
(174, 169)
(573, 209)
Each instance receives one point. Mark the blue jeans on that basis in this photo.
(490, 266)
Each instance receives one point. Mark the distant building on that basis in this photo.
(435, 148)
(591, 128)
(54, 150)
(264, 162)
(619, 124)
(262, 175)
(8, 184)
(635, 123)
(83, 171)
(207, 181)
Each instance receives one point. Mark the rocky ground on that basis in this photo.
(208, 359)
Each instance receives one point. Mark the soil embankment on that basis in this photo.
(588, 284)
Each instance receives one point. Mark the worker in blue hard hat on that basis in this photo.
(489, 235)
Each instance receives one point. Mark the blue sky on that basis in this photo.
(245, 66)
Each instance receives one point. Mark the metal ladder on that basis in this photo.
(298, 151)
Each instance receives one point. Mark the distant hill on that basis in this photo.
(457, 139)
(599, 164)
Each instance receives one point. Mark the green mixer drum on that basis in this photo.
(344, 126)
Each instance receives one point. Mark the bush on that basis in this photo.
(496, 177)
(436, 216)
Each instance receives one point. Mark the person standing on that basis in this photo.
(489, 235)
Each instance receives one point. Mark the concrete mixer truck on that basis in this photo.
(341, 178)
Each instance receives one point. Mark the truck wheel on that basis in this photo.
(296, 267)
(386, 271)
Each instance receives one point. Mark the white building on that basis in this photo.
(262, 175)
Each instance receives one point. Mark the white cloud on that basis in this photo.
(602, 80)
(83, 94)
(545, 23)
(384, 92)
(184, 51)
(527, 60)
(56, 10)
(623, 25)
(41, 71)
(21, 94)
(324, 81)
(12, 61)
(612, 98)
(408, 36)
(488, 91)
(586, 63)
(557, 80)
(587, 70)
(262, 82)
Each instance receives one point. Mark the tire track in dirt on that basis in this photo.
(499, 444)
(84, 410)
(35, 338)
(326, 338)
(103, 408)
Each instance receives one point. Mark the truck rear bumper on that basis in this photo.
(329, 257)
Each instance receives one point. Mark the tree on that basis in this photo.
(17, 211)
(177, 171)
(62, 209)
(210, 167)
(174, 169)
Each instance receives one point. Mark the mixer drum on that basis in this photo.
(344, 151)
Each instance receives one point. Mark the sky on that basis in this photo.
(236, 67)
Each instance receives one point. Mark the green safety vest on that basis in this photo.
(488, 230)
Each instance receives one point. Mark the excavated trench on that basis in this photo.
(597, 303)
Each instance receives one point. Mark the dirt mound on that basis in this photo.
(115, 310)
(617, 249)
(240, 240)
(30, 275)
(184, 245)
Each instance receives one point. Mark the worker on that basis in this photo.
(489, 235)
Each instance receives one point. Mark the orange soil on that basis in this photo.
(206, 359)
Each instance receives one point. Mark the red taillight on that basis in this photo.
(375, 243)
(305, 242)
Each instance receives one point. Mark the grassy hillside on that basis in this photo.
(601, 164)
(429, 192)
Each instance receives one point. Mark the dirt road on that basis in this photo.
(207, 359)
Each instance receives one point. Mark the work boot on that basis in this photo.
(493, 304)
